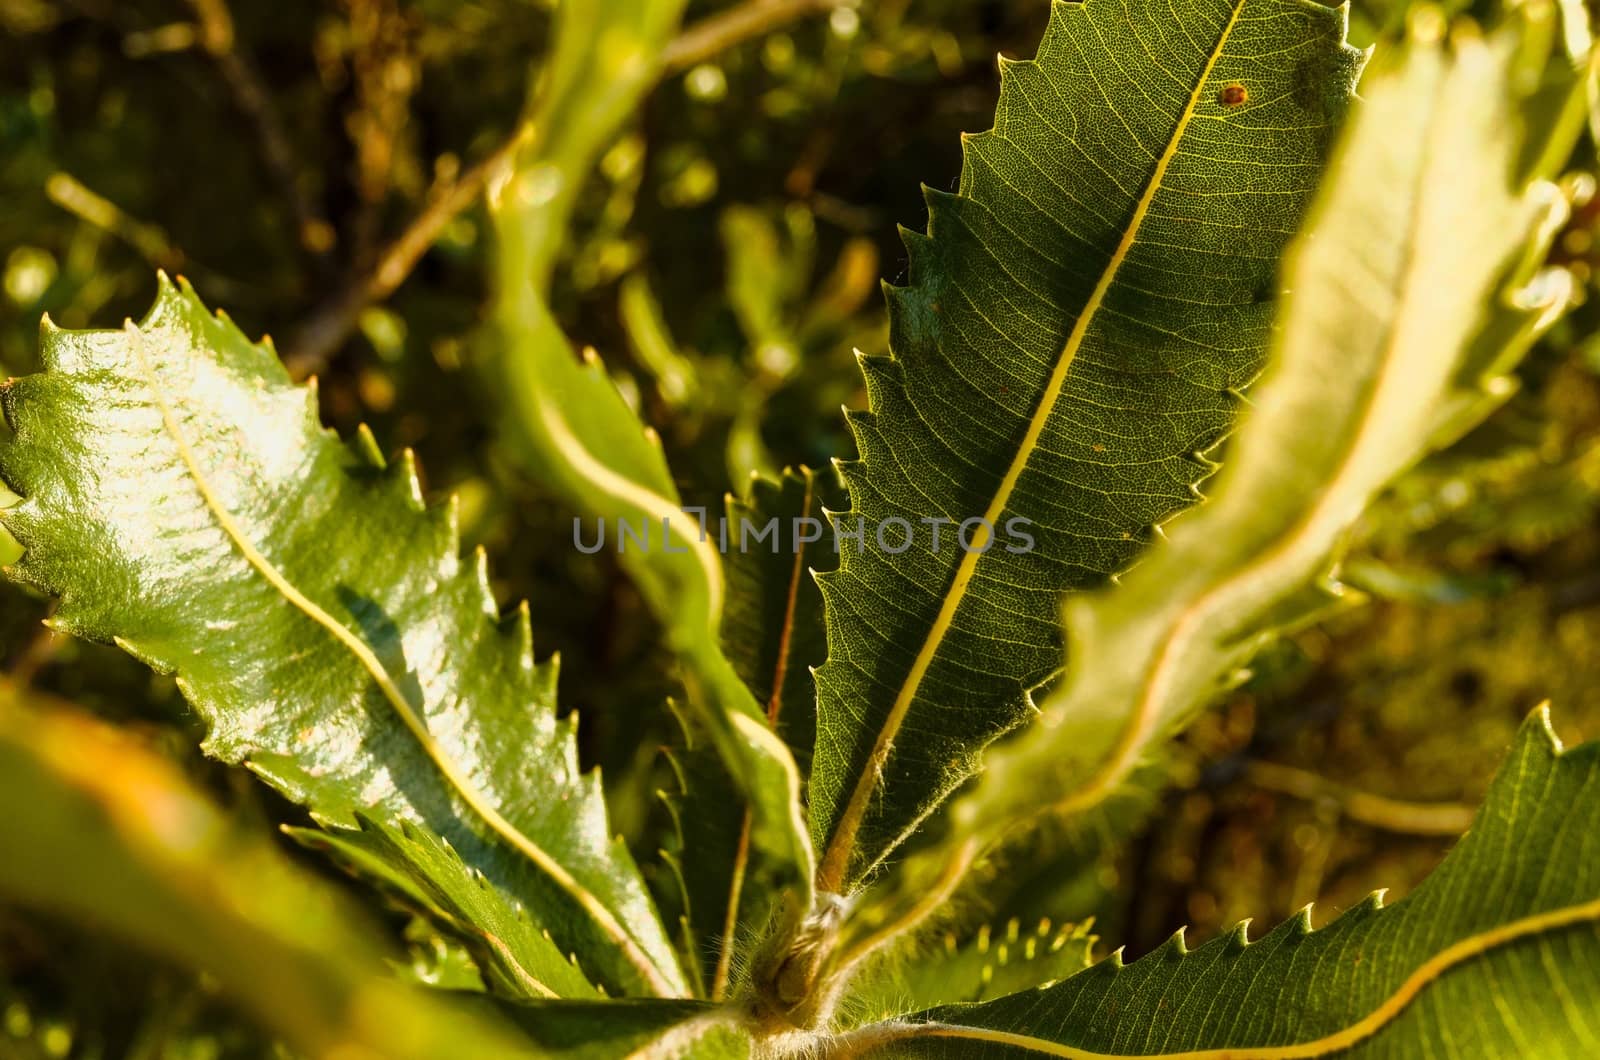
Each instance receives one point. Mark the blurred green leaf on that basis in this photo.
(571, 427)
(103, 832)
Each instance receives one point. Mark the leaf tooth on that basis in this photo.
(1302, 920)
(311, 409)
(1240, 934)
(917, 244)
(54, 350)
(409, 478)
(850, 471)
(1371, 905)
(365, 445)
(138, 651)
(1537, 725)
(1013, 929)
(885, 377)
(520, 626)
(860, 419)
(939, 202)
(545, 677)
(480, 582)
(1176, 946)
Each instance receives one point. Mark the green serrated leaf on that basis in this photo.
(517, 955)
(772, 629)
(105, 834)
(772, 634)
(183, 500)
(567, 422)
(1409, 240)
(989, 965)
(1080, 320)
(1497, 954)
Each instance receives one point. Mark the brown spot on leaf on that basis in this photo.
(1233, 95)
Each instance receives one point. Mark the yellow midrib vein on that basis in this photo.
(1427, 973)
(836, 860)
(403, 707)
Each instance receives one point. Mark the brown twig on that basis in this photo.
(332, 322)
(250, 97)
(384, 73)
(717, 33)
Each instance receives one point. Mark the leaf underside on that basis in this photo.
(772, 629)
(772, 635)
(991, 964)
(1494, 954)
(183, 500)
(1384, 352)
(1079, 321)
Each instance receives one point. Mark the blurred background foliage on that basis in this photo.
(313, 167)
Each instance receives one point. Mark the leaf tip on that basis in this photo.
(1538, 725)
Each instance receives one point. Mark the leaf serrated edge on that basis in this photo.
(838, 853)
(1352, 1035)
(403, 708)
(1537, 729)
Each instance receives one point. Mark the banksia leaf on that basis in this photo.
(1080, 319)
(772, 634)
(568, 424)
(1422, 214)
(772, 629)
(1495, 953)
(991, 963)
(183, 500)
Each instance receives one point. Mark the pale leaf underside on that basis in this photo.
(1406, 245)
